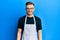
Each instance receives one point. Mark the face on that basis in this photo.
(30, 9)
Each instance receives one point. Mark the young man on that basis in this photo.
(29, 26)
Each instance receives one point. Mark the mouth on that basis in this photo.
(29, 11)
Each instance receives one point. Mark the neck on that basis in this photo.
(30, 15)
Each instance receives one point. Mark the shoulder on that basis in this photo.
(37, 18)
(22, 18)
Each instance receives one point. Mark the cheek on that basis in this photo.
(33, 10)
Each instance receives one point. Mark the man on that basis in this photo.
(29, 26)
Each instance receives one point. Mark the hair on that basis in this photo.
(29, 3)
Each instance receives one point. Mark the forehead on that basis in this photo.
(30, 6)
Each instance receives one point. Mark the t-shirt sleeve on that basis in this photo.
(19, 24)
(39, 24)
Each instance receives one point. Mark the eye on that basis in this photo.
(29, 8)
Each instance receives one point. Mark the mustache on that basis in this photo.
(29, 11)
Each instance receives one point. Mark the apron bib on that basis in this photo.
(29, 32)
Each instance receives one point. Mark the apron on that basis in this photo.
(29, 32)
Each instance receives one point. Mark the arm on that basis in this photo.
(19, 34)
(40, 34)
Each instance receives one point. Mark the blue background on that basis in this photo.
(47, 10)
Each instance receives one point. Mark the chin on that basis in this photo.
(30, 13)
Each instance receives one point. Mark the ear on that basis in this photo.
(34, 9)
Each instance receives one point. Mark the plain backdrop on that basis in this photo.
(47, 10)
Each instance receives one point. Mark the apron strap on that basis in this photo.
(33, 19)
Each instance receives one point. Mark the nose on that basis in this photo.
(29, 9)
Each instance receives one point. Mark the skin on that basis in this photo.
(30, 10)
